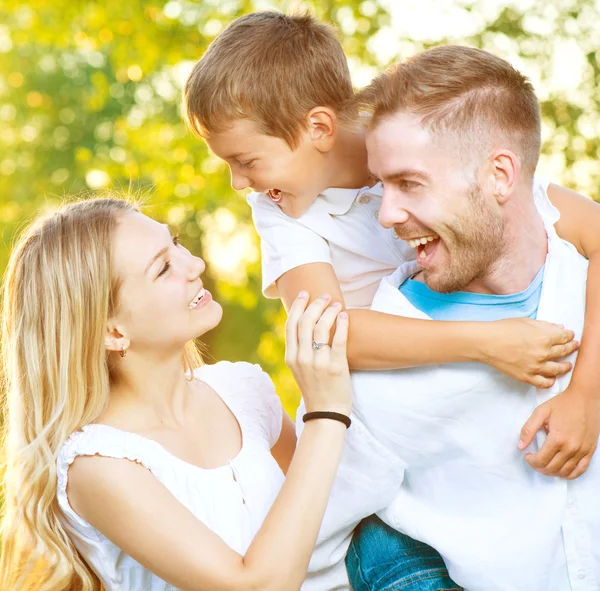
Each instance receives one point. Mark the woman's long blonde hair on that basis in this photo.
(60, 290)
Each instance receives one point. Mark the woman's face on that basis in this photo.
(162, 303)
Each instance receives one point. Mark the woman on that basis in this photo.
(131, 465)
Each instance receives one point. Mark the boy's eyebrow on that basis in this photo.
(238, 155)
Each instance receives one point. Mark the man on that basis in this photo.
(455, 139)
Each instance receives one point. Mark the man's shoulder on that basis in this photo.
(388, 297)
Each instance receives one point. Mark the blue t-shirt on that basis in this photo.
(463, 305)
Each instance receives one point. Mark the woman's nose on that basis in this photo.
(196, 268)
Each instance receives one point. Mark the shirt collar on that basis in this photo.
(337, 201)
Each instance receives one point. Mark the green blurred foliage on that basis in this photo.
(90, 97)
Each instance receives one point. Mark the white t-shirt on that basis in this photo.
(341, 228)
(230, 500)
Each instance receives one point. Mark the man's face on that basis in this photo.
(292, 178)
(432, 200)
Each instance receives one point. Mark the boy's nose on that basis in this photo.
(239, 182)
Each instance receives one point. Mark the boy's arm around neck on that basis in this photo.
(377, 341)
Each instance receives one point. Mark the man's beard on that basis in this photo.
(474, 243)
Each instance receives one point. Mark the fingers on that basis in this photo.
(542, 382)
(322, 331)
(339, 358)
(560, 351)
(533, 424)
(557, 333)
(291, 327)
(581, 467)
(552, 369)
(538, 461)
(564, 336)
(561, 463)
(306, 327)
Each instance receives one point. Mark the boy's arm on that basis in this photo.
(572, 419)
(524, 349)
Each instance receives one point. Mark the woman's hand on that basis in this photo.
(321, 373)
(529, 350)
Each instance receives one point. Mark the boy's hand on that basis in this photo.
(572, 423)
(529, 350)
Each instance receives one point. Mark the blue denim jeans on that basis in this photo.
(382, 559)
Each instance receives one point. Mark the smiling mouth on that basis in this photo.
(197, 299)
(275, 195)
(425, 246)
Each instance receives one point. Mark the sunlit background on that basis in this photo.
(90, 98)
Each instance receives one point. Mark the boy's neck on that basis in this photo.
(348, 161)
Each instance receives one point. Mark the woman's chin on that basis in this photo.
(211, 317)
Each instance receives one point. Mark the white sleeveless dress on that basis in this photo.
(232, 500)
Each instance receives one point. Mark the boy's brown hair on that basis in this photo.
(272, 68)
(463, 93)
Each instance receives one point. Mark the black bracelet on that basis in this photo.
(334, 416)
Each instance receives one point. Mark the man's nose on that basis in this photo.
(239, 181)
(391, 211)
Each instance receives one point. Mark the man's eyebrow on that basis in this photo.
(160, 253)
(403, 173)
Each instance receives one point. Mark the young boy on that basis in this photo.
(272, 97)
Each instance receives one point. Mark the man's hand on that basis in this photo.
(572, 423)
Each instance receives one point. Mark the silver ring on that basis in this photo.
(319, 345)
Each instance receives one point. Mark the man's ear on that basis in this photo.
(114, 339)
(505, 171)
(322, 126)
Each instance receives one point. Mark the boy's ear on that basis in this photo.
(322, 125)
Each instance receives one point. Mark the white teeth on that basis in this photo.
(196, 299)
(424, 240)
(423, 254)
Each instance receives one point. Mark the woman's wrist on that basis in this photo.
(328, 416)
(345, 408)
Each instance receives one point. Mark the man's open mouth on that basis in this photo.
(425, 246)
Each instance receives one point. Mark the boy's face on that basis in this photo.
(291, 178)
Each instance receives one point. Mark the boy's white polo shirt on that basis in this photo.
(340, 228)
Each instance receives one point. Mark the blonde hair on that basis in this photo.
(463, 93)
(60, 289)
(271, 68)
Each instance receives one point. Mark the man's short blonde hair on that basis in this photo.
(271, 68)
(465, 94)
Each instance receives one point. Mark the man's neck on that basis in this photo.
(524, 250)
(348, 168)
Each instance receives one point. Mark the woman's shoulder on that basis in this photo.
(234, 371)
(249, 391)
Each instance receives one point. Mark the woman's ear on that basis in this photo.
(115, 340)
(322, 125)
